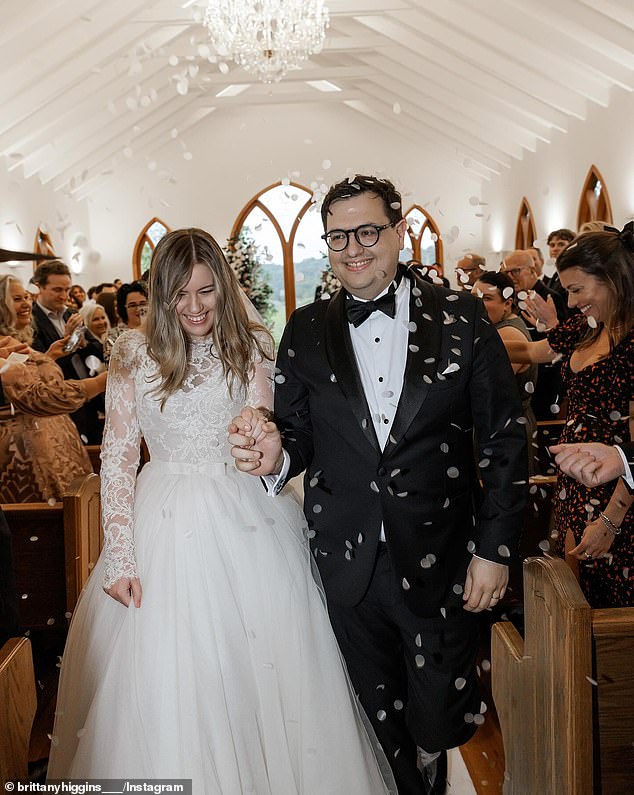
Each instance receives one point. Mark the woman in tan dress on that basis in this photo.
(40, 450)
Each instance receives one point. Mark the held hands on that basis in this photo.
(256, 442)
(125, 590)
(485, 584)
(590, 463)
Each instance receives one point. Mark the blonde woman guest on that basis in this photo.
(210, 655)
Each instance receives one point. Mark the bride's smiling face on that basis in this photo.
(196, 302)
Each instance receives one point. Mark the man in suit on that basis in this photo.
(54, 321)
(379, 393)
(593, 463)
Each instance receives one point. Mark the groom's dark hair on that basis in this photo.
(355, 186)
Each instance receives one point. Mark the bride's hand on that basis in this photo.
(256, 442)
(126, 589)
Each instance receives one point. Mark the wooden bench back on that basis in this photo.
(545, 685)
(37, 539)
(82, 533)
(18, 703)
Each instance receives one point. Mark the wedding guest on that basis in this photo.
(597, 350)
(497, 292)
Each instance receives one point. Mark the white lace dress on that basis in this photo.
(228, 674)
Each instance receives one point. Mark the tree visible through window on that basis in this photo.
(594, 202)
(286, 228)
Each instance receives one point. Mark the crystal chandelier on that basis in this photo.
(267, 37)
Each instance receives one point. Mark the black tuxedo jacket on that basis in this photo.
(423, 486)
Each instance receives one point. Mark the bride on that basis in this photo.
(210, 655)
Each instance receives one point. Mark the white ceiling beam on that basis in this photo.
(53, 81)
(432, 122)
(406, 129)
(473, 117)
(611, 39)
(418, 70)
(93, 183)
(19, 15)
(485, 57)
(427, 109)
(86, 98)
(522, 17)
(445, 59)
(505, 48)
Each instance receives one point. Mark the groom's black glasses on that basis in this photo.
(366, 235)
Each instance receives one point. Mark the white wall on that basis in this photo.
(25, 205)
(552, 178)
(235, 154)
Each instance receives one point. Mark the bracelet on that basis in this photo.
(609, 524)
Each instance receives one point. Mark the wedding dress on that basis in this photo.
(228, 674)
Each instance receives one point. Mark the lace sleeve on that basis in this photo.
(120, 461)
(261, 385)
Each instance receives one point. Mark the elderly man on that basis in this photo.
(469, 270)
(520, 267)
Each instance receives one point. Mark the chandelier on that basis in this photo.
(267, 37)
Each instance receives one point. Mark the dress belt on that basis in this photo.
(209, 468)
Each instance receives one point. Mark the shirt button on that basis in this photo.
(386, 421)
(377, 339)
(381, 379)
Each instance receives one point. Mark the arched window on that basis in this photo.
(525, 231)
(286, 227)
(594, 202)
(422, 239)
(146, 242)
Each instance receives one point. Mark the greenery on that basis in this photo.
(246, 260)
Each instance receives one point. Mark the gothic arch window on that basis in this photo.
(146, 242)
(525, 230)
(286, 229)
(422, 239)
(594, 202)
(42, 244)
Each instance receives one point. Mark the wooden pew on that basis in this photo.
(37, 539)
(83, 535)
(18, 703)
(94, 453)
(565, 693)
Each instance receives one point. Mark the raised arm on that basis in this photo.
(525, 352)
(120, 461)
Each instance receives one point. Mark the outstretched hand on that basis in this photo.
(539, 313)
(485, 584)
(256, 443)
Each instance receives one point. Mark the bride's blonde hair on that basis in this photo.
(237, 342)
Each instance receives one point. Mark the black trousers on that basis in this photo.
(415, 676)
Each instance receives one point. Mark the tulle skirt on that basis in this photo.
(228, 674)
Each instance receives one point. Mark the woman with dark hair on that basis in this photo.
(210, 655)
(498, 295)
(597, 348)
(131, 302)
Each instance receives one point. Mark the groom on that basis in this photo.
(379, 395)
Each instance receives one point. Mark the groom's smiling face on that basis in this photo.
(365, 271)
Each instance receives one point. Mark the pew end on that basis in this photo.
(18, 703)
(83, 534)
(565, 692)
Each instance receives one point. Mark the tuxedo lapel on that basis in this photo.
(341, 357)
(423, 355)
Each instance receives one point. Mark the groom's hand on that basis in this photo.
(256, 444)
(485, 584)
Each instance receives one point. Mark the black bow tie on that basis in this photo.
(358, 312)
